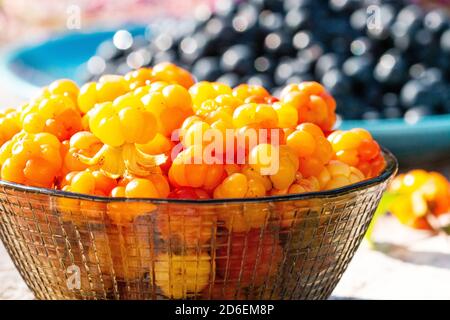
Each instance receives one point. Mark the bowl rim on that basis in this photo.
(390, 170)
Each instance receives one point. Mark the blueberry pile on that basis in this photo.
(387, 60)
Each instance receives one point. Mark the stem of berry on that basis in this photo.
(139, 163)
(116, 161)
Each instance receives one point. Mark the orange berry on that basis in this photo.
(170, 73)
(138, 78)
(83, 182)
(87, 97)
(189, 170)
(310, 167)
(118, 192)
(40, 172)
(357, 148)
(159, 144)
(262, 115)
(312, 102)
(110, 87)
(12, 171)
(311, 128)
(203, 91)
(171, 106)
(64, 87)
(348, 156)
(245, 91)
(234, 186)
(103, 183)
(161, 184)
(141, 188)
(302, 143)
(368, 150)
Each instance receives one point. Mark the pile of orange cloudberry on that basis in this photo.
(115, 138)
(134, 136)
(420, 199)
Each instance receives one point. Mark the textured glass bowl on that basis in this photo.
(70, 246)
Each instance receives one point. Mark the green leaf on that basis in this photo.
(446, 230)
(383, 208)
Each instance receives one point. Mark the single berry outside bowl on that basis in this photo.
(69, 246)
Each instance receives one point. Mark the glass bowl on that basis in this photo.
(71, 246)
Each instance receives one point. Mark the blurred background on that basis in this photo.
(387, 62)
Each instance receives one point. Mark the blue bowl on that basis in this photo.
(426, 140)
(29, 68)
